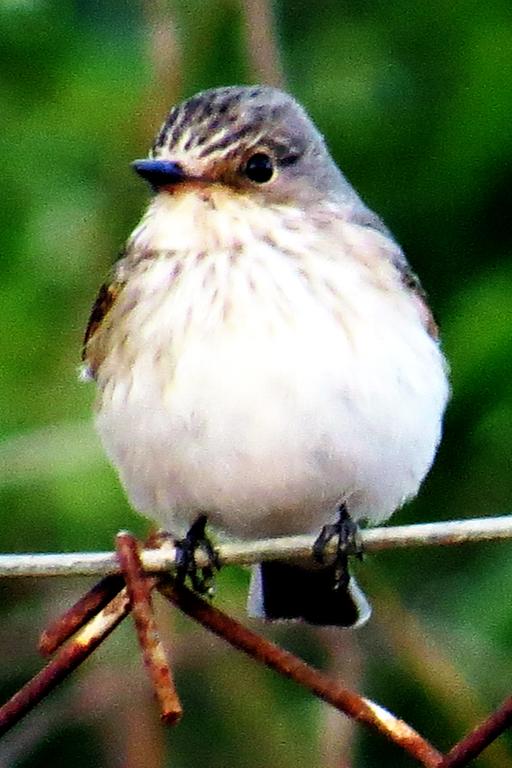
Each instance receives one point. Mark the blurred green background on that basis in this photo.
(415, 101)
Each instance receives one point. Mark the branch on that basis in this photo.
(262, 42)
(139, 587)
(480, 737)
(262, 650)
(246, 553)
(65, 662)
(95, 615)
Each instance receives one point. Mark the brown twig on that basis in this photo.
(139, 588)
(79, 614)
(65, 662)
(109, 616)
(265, 652)
(164, 51)
(65, 626)
(480, 737)
(262, 44)
(426, 658)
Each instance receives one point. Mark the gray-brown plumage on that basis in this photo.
(265, 353)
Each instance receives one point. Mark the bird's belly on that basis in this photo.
(266, 429)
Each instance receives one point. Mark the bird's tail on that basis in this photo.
(283, 591)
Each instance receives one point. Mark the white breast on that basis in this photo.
(271, 379)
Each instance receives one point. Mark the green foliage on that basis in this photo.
(415, 101)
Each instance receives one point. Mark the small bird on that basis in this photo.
(265, 358)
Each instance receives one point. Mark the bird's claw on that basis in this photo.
(348, 542)
(202, 578)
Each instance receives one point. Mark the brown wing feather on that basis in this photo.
(412, 283)
(106, 297)
(366, 218)
(105, 300)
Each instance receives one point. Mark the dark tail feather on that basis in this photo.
(282, 591)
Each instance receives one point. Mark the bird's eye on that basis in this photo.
(259, 168)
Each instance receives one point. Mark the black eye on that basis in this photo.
(259, 168)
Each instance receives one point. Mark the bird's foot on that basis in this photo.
(201, 577)
(348, 542)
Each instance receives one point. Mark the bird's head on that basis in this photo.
(254, 140)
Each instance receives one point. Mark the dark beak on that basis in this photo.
(159, 173)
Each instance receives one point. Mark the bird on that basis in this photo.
(265, 358)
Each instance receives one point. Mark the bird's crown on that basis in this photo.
(218, 122)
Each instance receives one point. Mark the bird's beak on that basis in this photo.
(159, 173)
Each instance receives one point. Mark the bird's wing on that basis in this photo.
(105, 300)
(367, 219)
(412, 283)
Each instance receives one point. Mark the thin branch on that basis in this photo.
(424, 657)
(480, 737)
(164, 50)
(79, 614)
(246, 553)
(65, 662)
(256, 646)
(139, 588)
(262, 42)
(262, 650)
(359, 708)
